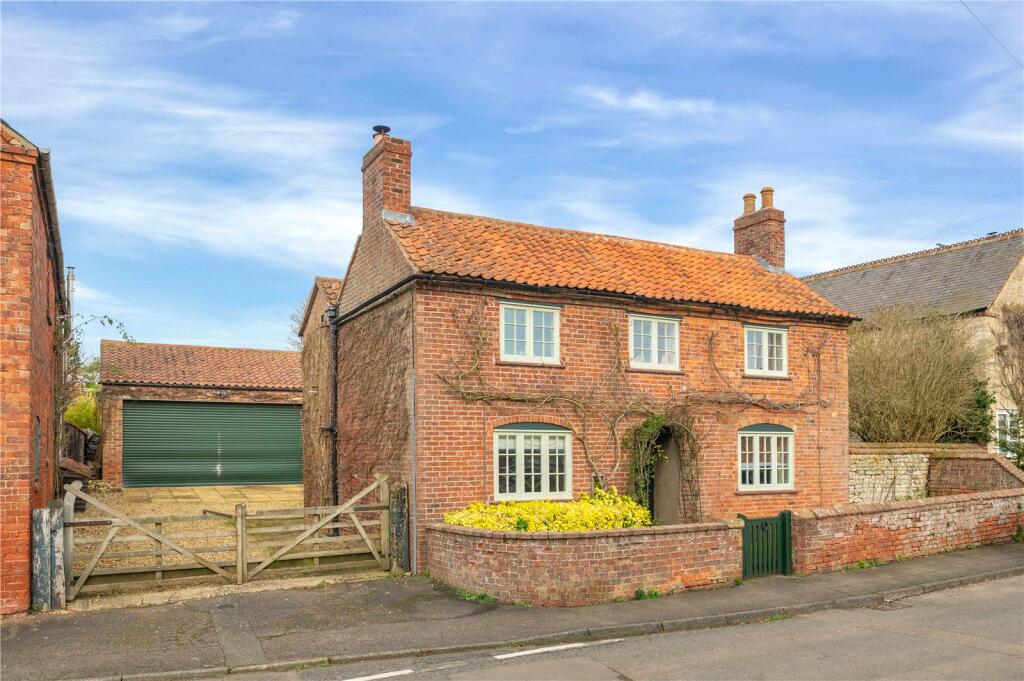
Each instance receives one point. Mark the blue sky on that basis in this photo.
(206, 156)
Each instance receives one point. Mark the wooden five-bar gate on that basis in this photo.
(236, 546)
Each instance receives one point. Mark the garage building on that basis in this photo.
(187, 415)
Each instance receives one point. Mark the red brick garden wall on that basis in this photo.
(112, 398)
(827, 539)
(28, 362)
(581, 568)
(963, 472)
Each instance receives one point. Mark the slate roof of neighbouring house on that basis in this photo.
(441, 242)
(954, 279)
(124, 363)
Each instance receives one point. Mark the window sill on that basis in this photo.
(653, 370)
(770, 377)
(749, 492)
(539, 365)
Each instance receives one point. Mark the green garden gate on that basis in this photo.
(768, 545)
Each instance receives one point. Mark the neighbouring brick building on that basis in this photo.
(33, 307)
(479, 360)
(972, 278)
(197, 415)
(317, 369)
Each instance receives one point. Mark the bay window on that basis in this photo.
(765, 458)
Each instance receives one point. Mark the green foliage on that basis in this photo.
(642, 441)
(476, 597)
(83, 412)
(974, 425)
(604, 510)
(650, 594)
(1018, 536)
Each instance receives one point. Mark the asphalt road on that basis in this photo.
(974, 632)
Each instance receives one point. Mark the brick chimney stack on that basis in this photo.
(386, 174)
(761, 233)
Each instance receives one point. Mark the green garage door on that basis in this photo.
(204, 443)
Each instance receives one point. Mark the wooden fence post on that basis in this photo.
(385, 522)
(69, 537)
(241, 562)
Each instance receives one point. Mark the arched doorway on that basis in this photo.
(667, 482)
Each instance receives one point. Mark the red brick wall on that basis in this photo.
(112, 399)
(762, 234)
(375, 373)
(454, 438)
(28, 361)
(582, 568)
(951, 472)
(830, 538)
(377, 261)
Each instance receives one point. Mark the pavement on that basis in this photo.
(411, 616)
(962, 634)
(287, 495)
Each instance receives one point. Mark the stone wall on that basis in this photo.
(827, 539)
(894, 471)
(582, 568)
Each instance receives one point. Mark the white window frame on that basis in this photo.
(773, 436)
(654, 364)
(529, 357)
(1007, 413)
(545, 493)
(765, 330)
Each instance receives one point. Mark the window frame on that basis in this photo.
(773, 435)
(529, 357)
(545, 493)
(765, 330)
(999, 441)
(654, 365)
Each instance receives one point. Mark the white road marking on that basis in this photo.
(551, 649)
(385, 675)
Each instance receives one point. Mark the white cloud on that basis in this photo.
(649, 103)
(993, 117)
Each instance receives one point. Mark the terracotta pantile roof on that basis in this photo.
(197, 365)
(331, 287)
(953, 279)
(441, 242)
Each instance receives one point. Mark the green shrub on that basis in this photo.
(604, 510)
(84, 413)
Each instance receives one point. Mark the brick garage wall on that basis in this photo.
(582, 568)
(959, 472)
(28, 364)
(454, 438)
(112, 398)
(830, 538)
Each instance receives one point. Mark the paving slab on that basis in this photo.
(386, 617)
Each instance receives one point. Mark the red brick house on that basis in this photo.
(184, 415)
(481, 360)
(33, 306)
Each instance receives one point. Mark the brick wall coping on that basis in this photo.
(592, 534)
(871, 509)
(944, 447)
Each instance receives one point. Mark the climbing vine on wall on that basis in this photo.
(644, 443)
(599, 410)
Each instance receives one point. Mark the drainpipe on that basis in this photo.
(332, 319)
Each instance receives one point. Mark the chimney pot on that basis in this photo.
(380, 132)
(748, 203)
(767, 198)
